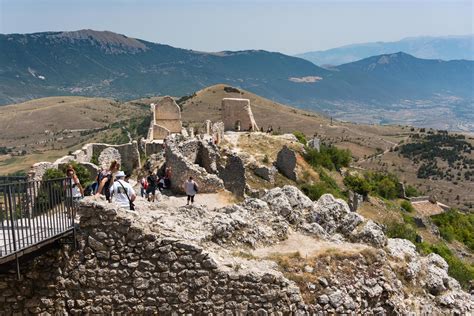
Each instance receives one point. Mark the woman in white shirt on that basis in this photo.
(121, 192)
(191, 189)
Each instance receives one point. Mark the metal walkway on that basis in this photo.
(33, 214)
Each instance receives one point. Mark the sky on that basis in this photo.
(214, 25)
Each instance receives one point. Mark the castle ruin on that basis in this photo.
(237, 115)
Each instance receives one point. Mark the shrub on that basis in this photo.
(379, 183)
(53, 173)
(454, 225)
(357, 184)
(327, 185)
(300, 136)
(401, 230)
(82, 173)
(329, 157)
(411, 191)
(406, 205)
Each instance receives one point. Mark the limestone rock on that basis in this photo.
(370, 233)
(334, 215)
(267, 173)
(108, 155)
(286, 163)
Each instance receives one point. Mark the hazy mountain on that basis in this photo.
(428, 47)
(106, 64)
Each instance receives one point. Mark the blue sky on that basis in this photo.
(214, 25)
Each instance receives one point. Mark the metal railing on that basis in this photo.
(32, 212)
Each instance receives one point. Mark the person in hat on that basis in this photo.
(121, 192)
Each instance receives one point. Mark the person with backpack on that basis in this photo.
(122, 193)
(191, 189)
(106, 179)
(152, 185)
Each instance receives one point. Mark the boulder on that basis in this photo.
(267, 173)
(286, 163)
(370, 233)
(334, 215)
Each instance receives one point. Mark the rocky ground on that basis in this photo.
(349, 266)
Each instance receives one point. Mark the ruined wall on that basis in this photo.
(238, 110)
(167, 115)
(122, 267)
(182, 160)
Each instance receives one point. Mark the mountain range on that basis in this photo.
(427, 47)
(378, 89)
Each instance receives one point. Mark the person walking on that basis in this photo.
(152, 185)
(122, 193)
(191, 189)
(143, 186)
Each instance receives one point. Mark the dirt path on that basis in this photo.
(306, 246)
(208, 200)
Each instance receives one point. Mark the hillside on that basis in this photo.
(47, 128)
(106, 64)
(428, 47)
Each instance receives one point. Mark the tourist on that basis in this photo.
(191, 189)
(122, 192)
(161, 184)
(106, 179)
(73, 185)
(143, 186)
(168, 177)
(152, 185)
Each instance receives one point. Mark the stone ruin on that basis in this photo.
(166, 119)
(174, 261)
(93, 156)
(237, 115)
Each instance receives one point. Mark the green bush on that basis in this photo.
(329, 157)
(411, 191)
(406, 205)
(357, 184)
(82, 173)
(53, 174)
(401, 230)
(379, 183)
(326, 185)
(454, 225)
(300, 136)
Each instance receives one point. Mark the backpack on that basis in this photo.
(195, 187)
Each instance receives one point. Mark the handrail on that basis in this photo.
(32, 212)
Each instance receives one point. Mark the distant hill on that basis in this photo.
(390, 88)
(428, 47)
(106, 64)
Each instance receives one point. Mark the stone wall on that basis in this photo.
(238, 111)
(129, 154)
(182, 160)
(233, 175)
(121, 266)
(166, 118)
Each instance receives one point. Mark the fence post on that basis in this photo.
(12, 222)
